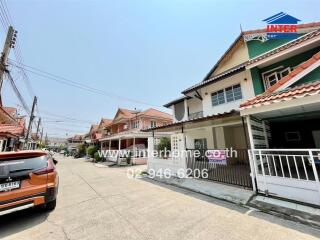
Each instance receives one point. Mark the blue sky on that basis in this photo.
(144, 50)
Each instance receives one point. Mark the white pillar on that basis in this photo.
(150, 149)
(251, 154)
(1, 143)
(119, 144)
(265, 134)
(250, 132)
(109, 145)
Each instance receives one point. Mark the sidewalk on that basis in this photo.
(308, 215)
(224, 192)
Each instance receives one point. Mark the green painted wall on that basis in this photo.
(312, 76)
(255, 48)
(290, 62)
(293, 61)
(257, 81)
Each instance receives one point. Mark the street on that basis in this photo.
(103, 203)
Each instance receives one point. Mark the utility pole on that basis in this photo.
(9, 43)
(41, 135)
(38, 126)
(31, 118)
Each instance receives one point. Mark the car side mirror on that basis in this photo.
(55, 161)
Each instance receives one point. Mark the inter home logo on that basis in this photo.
(281, 26)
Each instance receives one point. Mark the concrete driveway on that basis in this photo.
(102, 203)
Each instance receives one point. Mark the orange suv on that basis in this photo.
(27, 179)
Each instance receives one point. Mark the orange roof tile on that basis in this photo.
(94, 127)
(151, 112)
(128, 113)
(106, 121)
(303, 90)
(11, 111)
(12, 129)
(302, 67)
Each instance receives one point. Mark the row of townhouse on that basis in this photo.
(262, 99)
(13, 130)
(125, 132)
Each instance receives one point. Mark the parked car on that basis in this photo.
(27, 179)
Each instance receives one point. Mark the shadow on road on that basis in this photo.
(20, 221)
(241, 209)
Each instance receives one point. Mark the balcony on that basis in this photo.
(195, 115)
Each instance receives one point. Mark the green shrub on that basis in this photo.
(97, 157)
(81, 149)
(92, 150)
(164, 144)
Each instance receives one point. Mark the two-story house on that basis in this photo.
(124, 132)
(283, 119)
(207, 116)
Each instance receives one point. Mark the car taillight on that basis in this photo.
(50, 168)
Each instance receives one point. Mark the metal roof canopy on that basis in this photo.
(214, 120)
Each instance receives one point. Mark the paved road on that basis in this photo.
(102, 203)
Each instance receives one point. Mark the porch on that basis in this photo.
(126, 147)
(284, 135)
(198, 137)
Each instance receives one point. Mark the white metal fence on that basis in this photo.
(288, 173)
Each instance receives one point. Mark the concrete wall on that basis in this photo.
(246, 88)
(235, 137)
(191, 135)
(216, 137)
(195, 105)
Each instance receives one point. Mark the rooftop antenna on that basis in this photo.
(241, 28)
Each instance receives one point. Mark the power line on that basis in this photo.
(75, 84)
(65, 117)
(17, 49)
(18, 94)
(62, 123)
(7, 21)
(69, 130)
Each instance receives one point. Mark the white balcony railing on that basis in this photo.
(195, 115)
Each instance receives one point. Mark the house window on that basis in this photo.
(218, 98)
(153, 124)
(135, 124)
(233, 93)
(273, 77)
(284, 72)
(229, 94)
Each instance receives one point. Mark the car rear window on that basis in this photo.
(21, 165)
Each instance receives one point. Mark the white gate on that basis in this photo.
(288, 173)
